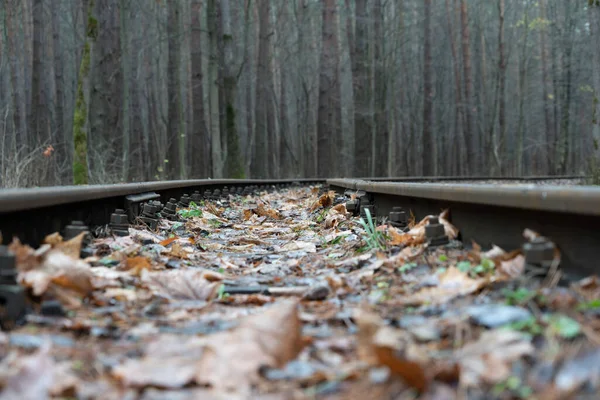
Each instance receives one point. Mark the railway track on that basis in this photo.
(488, 214)
(134, 305)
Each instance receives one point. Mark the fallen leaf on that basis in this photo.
(178, 251)
(324, 201)
(168, 241)
(36, 376)
(271, 338)
(53, 239)
(297, 245)
(72, 247)
(452, 283)
(181, 284)
(513, 268)
(530, 235)
(264, 211)
(135, 265)
(213, 209)
(399, 238)
(489, 358)
(381, 345)
(59, 269)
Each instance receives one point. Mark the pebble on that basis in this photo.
(319, 292)
(408, 321)
(495, 315)
(26, 341)
(425, 333)
(579, 371)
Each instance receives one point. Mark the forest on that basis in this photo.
(107, 91)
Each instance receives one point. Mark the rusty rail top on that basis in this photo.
(584, 200)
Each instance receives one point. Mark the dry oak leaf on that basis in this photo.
(72, 247)
(418, 231)
(135, 265)
(182, 284)
(512, 268)
(324, 201)
(452, 283)
(263, 210)
(178, 251)
(226, 361)
(36, 376)
(59, 269)
(489, 359)
(381, 345)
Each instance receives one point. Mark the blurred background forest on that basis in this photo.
(103, 91)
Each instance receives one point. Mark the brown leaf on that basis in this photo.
(588, 287)
(26, 258)
(36, 376)
(399, 238)
(61, 270)
(178, 251)
(381, 345)
(72, 247)
(135, 265)
(248, 213)
(452, 283)
(168, 241)
(262, 210)
(53, 239)
(213, 209)
(181, 284)
(225, 361)
(530, 235)
(324, 201)
(489, 359)
(513, 268)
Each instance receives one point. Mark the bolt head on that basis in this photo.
(540, 251)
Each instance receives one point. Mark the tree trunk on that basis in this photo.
(361, 75)
(381, 131)
(458, 140)
(329, 110)
(199, 142)
(213, 90)
(546, 88)
(428, 146)
(472, 159)
(39, 118)
(126, 68)
(264, 116)
(498, 150)
(234, 162)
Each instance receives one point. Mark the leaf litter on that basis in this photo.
(286, 295)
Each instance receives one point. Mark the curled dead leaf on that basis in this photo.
(179, 251)
(181, 284)
(168, 241)
(72, 247)
(59, 269)
(324, 201)
(489, 358)
(513, 268)
(135, 265)
(53, 239)
(452, 283)
(381, 345)
(225, 361)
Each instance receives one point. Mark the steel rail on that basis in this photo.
(32, 213)
(498, 214)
